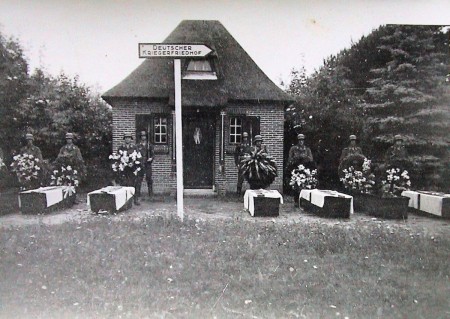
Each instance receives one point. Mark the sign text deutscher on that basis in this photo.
(181, 50)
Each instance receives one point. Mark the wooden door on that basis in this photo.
(198, 150)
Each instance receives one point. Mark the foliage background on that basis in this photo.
(393, 81)
(48, 107)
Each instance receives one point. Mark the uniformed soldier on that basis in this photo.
(352, 149)
(30, 148)
(70, 154)
(147, 152)
(130, 179)
(240, 152)
(397, 151)
(299, 154)
(258, 144)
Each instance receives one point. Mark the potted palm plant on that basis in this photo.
(258, 169)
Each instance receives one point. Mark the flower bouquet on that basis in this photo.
(258, 169)
(28, 170)
(303, 178)
(126, 165)
(65, 175)
(395, 181)
(358, 181)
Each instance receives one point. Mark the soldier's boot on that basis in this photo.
(296, 200)
(239, 191)
(136, 200)
(150, 189)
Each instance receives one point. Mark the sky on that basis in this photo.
(98, 40)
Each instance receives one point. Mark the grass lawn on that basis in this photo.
(158, 267)
(9, 201)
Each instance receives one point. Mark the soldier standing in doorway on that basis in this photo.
(240, 152)
(130, 179)
(146, 150)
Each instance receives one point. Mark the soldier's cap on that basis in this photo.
(143, 133)
(300, 136)
(352, 137)
(257, 138)
(127, 135)
(69, 135)
(29, 136)
(398, 137)
(245, 134)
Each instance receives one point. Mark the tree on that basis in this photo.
(13, 89)
(408, 94)
(49, 107)
(55, 106)
(394, 80)
(327, 112)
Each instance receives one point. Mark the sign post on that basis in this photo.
(176, 51)
(179, 138)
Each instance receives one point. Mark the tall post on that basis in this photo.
(222, 142)
(179, 138)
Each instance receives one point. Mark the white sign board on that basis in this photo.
(176, 51)
(172, 50)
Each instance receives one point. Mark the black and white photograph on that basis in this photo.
(224, 159)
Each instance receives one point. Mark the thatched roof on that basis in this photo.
(239, 78)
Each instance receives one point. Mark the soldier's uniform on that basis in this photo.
(70, 154)
(36, 152)
(130, 180)
(299, 154)
(257, 147)
(147, 152)
(241, 150)
(396, 152)
(351, 150)
(32, 150)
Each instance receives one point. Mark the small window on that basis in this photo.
(160, 130)
(199, 66)
(241, 124)
(235, 130)
(200, 70)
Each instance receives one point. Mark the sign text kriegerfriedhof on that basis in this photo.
(176, 51)
(172, 50)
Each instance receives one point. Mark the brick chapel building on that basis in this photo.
(223, 95)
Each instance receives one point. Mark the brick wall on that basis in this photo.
(164, 179)
(272, 132)
(124, 121)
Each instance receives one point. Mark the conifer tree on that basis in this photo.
(408, 94)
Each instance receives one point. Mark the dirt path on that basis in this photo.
(211, 208)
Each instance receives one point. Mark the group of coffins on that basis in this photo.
(333, 204)
(111, 199)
